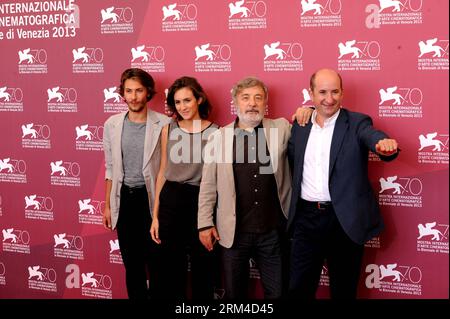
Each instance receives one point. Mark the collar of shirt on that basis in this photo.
(239, 131)
(327, 122)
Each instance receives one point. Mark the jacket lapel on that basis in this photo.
(301, 140)
(340, 129)
(267, 125)
(118, 142)
(152, 130)
(274, 145)
(228, 154)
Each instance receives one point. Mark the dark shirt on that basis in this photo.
(258, 208)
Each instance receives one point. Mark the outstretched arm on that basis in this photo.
(386, 147)
(377, 141)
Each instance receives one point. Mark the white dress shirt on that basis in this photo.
(317, 160)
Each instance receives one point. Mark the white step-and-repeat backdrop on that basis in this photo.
(60, 66)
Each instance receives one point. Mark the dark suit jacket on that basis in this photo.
(352, 197)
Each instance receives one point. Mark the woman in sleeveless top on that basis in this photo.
(174, 224)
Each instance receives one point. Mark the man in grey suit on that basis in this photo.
(247, 180)
(132, 157)
(333, 209)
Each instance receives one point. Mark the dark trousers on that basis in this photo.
(136, 246)
(318, 236)
(266, 250)
(179, 241)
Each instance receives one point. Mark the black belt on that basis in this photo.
(132, 189)
(318, 205)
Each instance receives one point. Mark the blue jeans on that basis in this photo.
(265, 249)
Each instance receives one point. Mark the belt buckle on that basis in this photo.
(321, 205)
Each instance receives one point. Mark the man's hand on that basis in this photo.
(302, 114)
(208, 237)
(106, 220)
(386, 147)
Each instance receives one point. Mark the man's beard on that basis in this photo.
(136, 107)
(249, 119)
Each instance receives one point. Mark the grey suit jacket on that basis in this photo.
(112, 136)
(217, 185)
